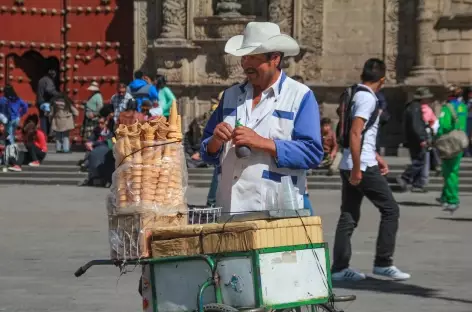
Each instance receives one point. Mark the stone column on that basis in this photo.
(424, 71)
(228, 8)
(174, 17)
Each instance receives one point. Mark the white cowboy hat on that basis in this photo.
(93, 87)
(259, 38)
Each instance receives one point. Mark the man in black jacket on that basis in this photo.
(416, 136)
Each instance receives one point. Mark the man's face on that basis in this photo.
(2, 128)
(52, 73)
(259, 68)
(428, 101)
(121, 91)
(326, 128)
(145, 109)
(101, 123)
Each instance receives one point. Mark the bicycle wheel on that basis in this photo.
(218, 307)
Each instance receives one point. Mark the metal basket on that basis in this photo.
(203, 215)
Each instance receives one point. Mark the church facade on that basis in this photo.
(423, 42)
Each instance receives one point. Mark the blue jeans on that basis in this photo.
(211, 198)
(307, 204)
(62, 142)
(12, 125)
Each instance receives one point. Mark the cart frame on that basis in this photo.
(214, 280)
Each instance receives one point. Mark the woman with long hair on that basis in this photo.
(35, 142)
(16, 108)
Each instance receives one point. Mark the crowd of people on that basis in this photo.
(142, 99)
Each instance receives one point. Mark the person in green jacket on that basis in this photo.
(165, 95)
(450, 167)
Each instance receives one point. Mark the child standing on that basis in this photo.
(330, 147)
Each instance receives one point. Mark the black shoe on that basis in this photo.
(402, 183)
(330, 173)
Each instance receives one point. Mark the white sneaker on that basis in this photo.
(348, 275)
(392, 272)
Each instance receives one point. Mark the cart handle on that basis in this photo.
(80, 271)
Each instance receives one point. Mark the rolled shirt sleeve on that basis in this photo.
(305, 150)
(215, 119)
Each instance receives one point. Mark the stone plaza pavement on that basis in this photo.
(49, 231)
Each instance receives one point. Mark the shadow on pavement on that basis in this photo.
(417, 204)
(455, 219)
(398, 288)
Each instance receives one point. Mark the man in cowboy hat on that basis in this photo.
(276, 117)
(416, 136)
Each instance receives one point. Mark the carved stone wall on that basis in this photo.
(185, 39)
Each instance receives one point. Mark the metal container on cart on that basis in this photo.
(277, 278)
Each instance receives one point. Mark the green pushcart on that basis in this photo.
(289, 278)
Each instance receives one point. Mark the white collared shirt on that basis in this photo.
(268, 98)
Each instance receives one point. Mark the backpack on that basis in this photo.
(11, 155)
(452, 143)
(344, 111)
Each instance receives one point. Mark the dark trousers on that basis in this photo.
(375, 187)
(33, 153)
(417, 173)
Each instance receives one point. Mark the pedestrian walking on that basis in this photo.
(417, 137)
(362, 173)
(453, 117)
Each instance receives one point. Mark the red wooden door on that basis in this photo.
(86, 40)
(98, 40)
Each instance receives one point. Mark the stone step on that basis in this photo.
(45, 167)
(44, 174)
(40, 181)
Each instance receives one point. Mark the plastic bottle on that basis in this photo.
(242, 151)
(288, 197)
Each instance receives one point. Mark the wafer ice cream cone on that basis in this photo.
(173, 120)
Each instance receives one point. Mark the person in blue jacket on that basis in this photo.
(17, 108)
(142, 89)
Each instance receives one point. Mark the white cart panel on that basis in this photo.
(236, 282)
(178, 283)
(293, 276)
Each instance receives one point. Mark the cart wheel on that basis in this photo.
(317, 308)
(218, 307)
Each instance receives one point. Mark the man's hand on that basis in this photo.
(89, 146)
(356, 177)
(196, 156)
(223, 132)
(423, 144)
(247, 136)
(383, 166)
